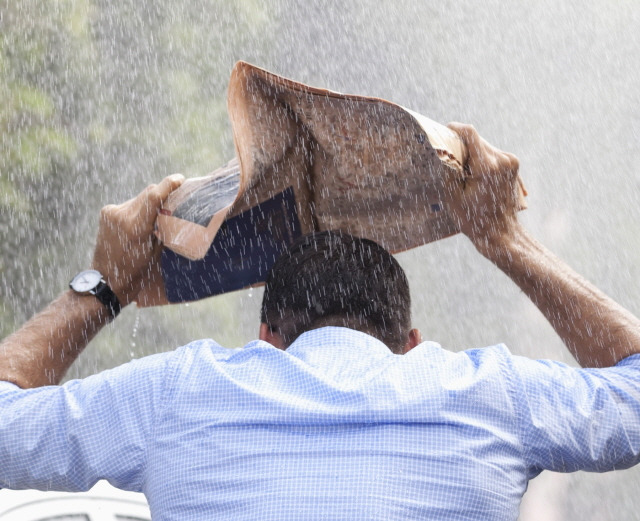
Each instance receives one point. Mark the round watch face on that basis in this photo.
(86, 280)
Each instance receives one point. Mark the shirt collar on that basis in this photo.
(319, 346)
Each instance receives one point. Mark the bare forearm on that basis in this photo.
(42, 350)
(598, 331)
(126, 256)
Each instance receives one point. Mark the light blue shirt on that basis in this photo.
(336, 427)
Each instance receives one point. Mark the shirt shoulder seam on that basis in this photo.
(166, 395)
(516, 389)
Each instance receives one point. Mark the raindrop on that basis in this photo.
(134, 333)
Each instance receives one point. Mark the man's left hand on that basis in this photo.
(127, 250)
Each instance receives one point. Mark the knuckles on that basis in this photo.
(468, 133)
(107, 213)
(513, 161)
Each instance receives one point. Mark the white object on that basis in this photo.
(102, 503)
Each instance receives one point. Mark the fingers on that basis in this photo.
(481, 153)
(514, 162)
(468, 133)
(106, 211)
(154, 195)
(142, 210)
(137, 216)
(158, 193)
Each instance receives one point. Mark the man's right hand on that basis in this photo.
(489, 198)
(598, 331)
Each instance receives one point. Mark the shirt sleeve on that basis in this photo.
(69, 437)
(579, 419)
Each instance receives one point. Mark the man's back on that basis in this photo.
(336, 427)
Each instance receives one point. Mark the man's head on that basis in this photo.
(335, 279)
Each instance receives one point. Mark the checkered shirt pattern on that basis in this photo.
(336, 427)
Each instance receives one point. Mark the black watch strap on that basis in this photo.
(106, 295)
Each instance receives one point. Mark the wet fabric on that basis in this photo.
(336, 427)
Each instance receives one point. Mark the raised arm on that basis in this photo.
(598, 331)
(126, 254)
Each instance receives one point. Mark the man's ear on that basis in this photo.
(266, 334)
(413, 339)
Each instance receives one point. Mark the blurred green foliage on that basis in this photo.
(99, 99)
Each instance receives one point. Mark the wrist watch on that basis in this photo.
(91, 282)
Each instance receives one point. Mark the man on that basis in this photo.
(322, 418)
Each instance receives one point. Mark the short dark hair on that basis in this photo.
(333, 278)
